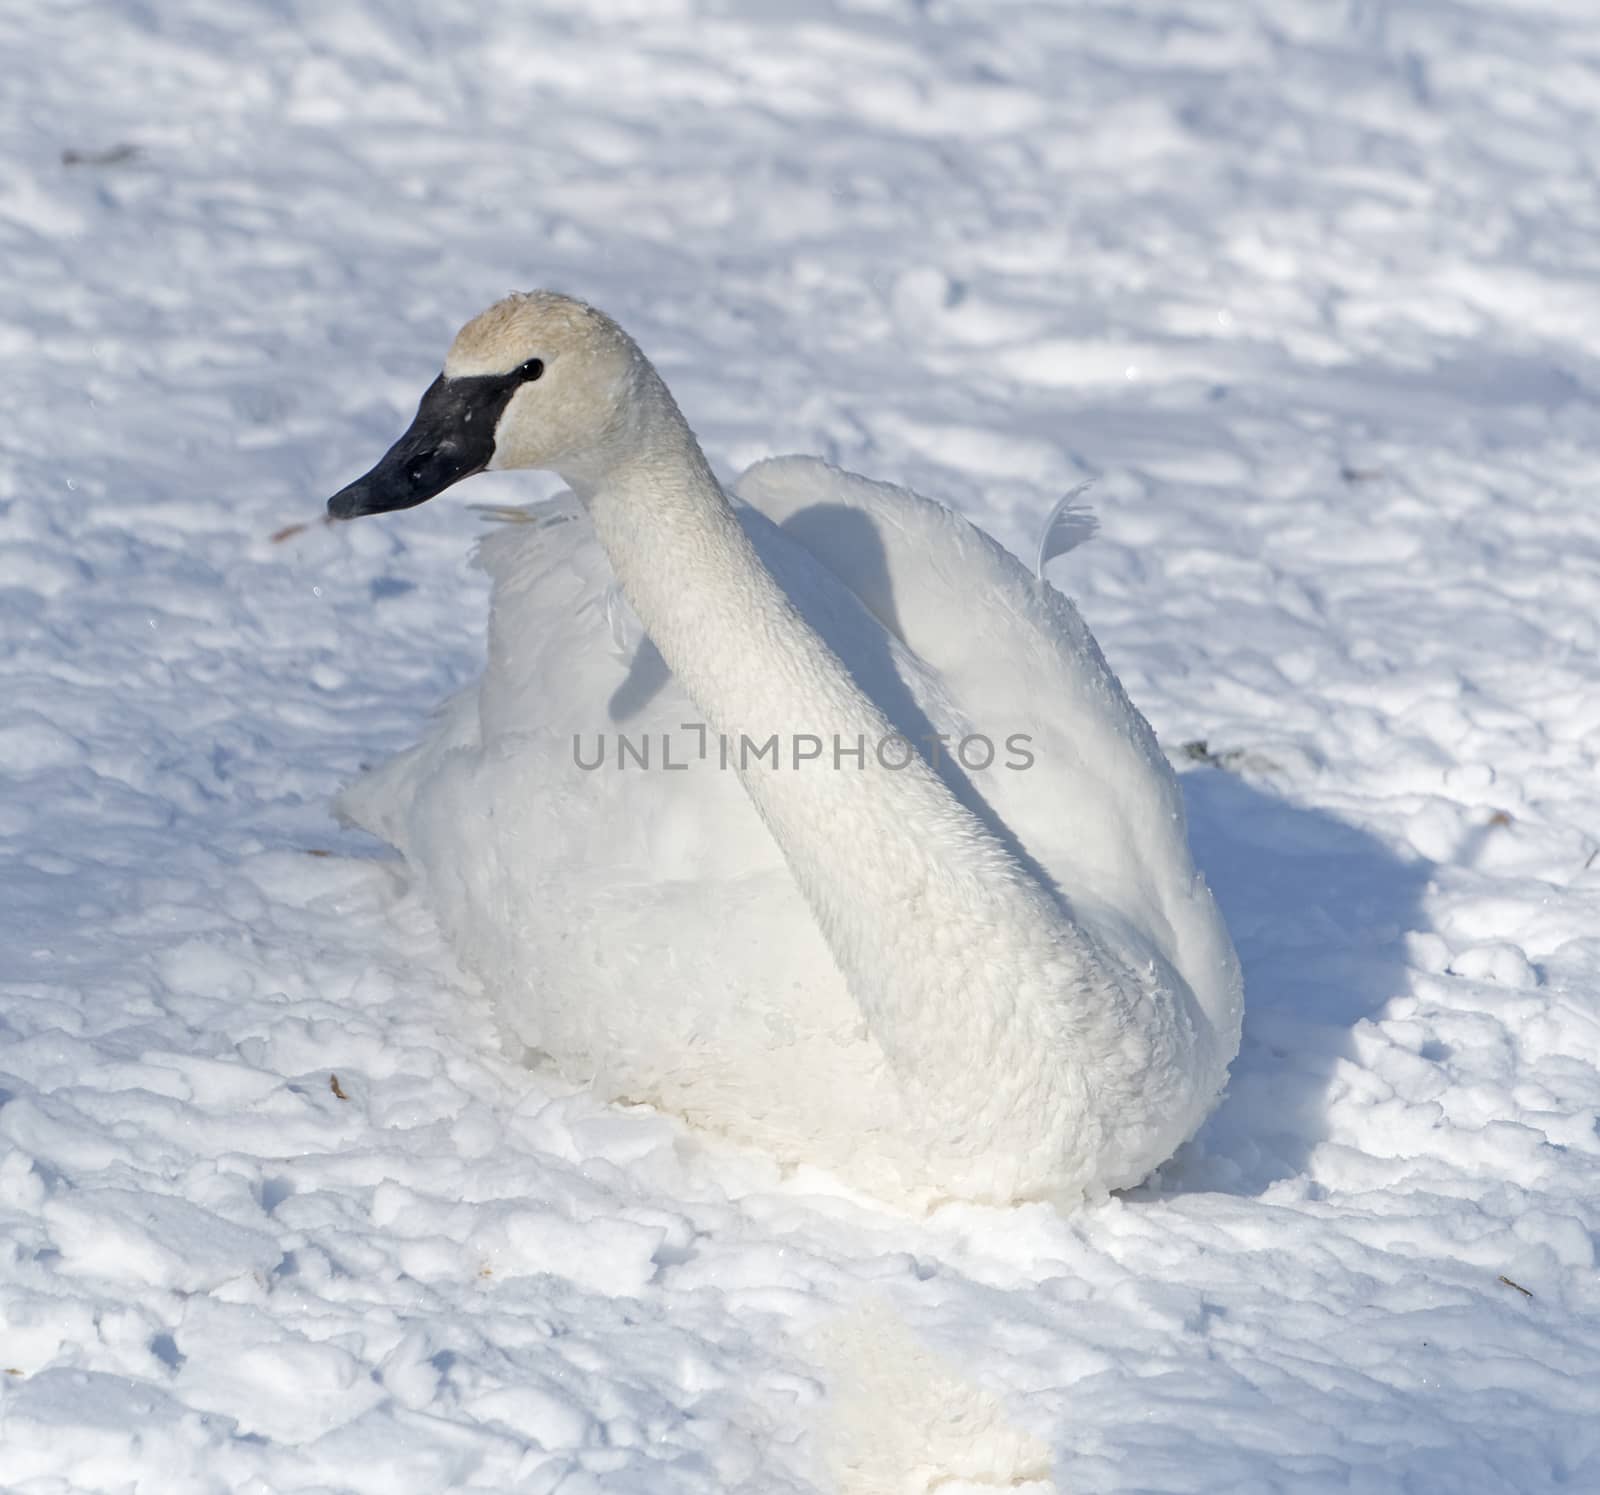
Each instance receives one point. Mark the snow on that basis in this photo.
(1309, 289)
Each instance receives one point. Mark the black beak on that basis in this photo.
(451, 438)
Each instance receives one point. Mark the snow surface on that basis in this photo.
(1311, 288)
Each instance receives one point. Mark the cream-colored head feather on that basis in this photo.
(595, 386)
(550, 324)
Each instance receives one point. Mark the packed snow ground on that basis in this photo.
(1310, 287)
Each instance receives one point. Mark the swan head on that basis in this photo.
(537, 380)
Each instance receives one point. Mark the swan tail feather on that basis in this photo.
(901, 1420)
(1068, 526)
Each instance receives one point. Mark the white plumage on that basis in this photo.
(992, 983)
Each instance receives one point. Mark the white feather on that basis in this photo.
(1068, 525)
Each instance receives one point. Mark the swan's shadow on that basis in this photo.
(1319, 911)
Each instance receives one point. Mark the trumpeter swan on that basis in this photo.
(816, 917)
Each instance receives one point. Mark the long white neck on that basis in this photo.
(966, 970)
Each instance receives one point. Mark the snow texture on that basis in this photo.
(1309, 288)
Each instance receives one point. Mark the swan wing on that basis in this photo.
(1077, 778)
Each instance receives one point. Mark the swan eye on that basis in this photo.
(531, 369)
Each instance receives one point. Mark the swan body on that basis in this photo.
(939, 976)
